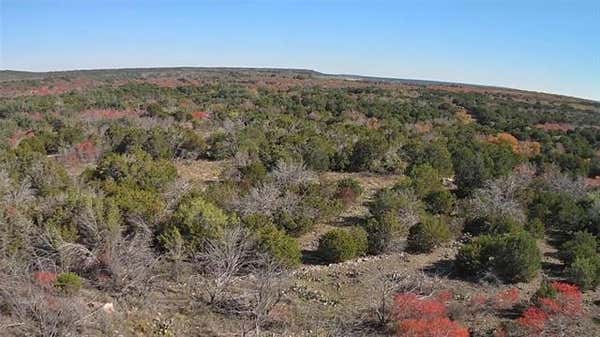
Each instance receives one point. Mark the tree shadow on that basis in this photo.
(230, 307)
(369, 327)
(512, 313)
(442, 268)
(552, 269)
(348, 221)
(556, 238)
(311, 257)
(554, 255)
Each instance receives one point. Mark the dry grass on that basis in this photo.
(201, 171)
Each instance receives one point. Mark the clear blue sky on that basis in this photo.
(548, 45)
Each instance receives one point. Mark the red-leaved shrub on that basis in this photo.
(409, 305)
(500, 301)
(426, 317)
(567, 305)
(438, 327)
(444, 296)
(506, 299)
(533, 319)
(200, 115)
(45, 279)
(86, 151)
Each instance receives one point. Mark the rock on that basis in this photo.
(108, 308)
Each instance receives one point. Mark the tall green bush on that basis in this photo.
(428, 234)
(340, 244)
(513, 257)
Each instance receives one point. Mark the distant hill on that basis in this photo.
(124, 73)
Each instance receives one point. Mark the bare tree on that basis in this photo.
(29, 309)
(129, 261)
(222, 260)
(18, 194)
(557, 181)
(499, 198)
(175, 191)
(288, 174)
(382, 286)
(262, 199)
(270, 281)
(241, 159)
(121, 262)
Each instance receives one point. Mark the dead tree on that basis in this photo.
(222, 260)
(268, 287)
(34, 309)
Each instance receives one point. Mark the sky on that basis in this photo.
(551, 46)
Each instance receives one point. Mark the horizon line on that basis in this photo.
(358, 76)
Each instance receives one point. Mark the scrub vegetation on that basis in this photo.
(243, 202)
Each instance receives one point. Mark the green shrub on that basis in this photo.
(584, 272)
(394, 211)
(136, 169)
(282, 247)
(559, 210)
(425, 180)
(46, 175)
(348, 190)
(197, 219)
(319, 197)
(472, 259)
(158, 145)
(172, 242)
(393, 201)
(433, 153)
(253, 173)
(257, 221)
(475, 162)
(221, 193)
(440, 202)
(221, 146)
(342, 244)
(192, 146)
(155, 141)
(513, 257)
(135, 201)
(273, 240)
(382, 232)
(316, 153)
(546, 290)
(69, 283)
(62, 218)
(580, 254)
(582, 245)
(518, 258)
(294, 224)
(536, 228)
(492, 225)
(428, 234)
(368, 153)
